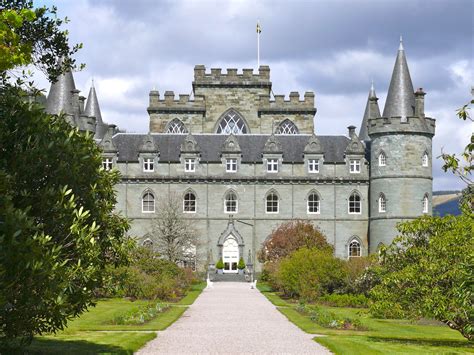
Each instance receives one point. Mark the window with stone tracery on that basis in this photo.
(176, 126)
(287, 127)
(232, 123)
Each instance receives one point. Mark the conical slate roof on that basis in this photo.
(92, 106)
(370, 112)
(60, 97)
(400, 98)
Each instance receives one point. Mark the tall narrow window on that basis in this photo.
(148, 203)
(313, 165)
(354, 166)
(232, 123)
(231, 203)
(354, 249)
(189, 203)
(382, 203)
(272, 165)
(176, 126)
(189, 165)
(425, 204)
(425, 160)
(231, 165)
(382, 159)
(272, 204)
(107, 164)
(354, 203)
(148, 165)
(148, 243)
(287, 127)
(313, 203)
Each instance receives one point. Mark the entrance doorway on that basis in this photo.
(230, 255)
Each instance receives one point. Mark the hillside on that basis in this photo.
(444, 204)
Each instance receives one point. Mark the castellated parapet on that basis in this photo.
(169, 103)
(215, 78)
(293, 105)
(399, 125)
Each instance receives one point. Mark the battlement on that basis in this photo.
(294, 104)
(169, 104)
(215, 78)
(412, 124)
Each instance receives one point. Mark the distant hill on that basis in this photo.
(446, 202)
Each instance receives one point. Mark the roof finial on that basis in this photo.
(92, 81)
(401, 44)
(372, 89)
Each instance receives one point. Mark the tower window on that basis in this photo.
(424, 160)
(176, 126)
(354, 166)
(107, 164)
(148, 165)
(190, 165)
(313, 203)
(189, 203)
(354, 203)
(230, 203)
(231, 165)
(272, 165)
(232, 123)
(425, 204)
(313, 166)
(354, 249)
(382, 159)
(148, 203)
(272, 203)
(287, 127)
(382, 203)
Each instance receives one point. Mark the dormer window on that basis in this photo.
(272, 165)
(382, 159)
(190, 165)
(313, 166)
(231, 165)
(425, 160)
(107, 164)
(148, 165)
(354, 166)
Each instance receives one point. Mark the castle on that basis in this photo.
(243, 162)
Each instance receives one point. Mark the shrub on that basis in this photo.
(220, 264)
(328, 319)
(241, 264)
(310, 273)
(345, 300)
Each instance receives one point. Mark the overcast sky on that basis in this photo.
(334, 48)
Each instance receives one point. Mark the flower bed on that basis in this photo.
(328, 319)
(142, 315)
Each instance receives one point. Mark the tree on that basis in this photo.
(58, 230)
(174, 235)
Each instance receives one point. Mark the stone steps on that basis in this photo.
(227, 277)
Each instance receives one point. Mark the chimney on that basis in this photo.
(352, 133)
(420, 103)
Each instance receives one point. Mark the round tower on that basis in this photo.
(401, 180)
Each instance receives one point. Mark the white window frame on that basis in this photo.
(426, 204)
(349, 203)
(107, 163)
(226, 199)
(231, 165)
(382, 203)
(143, 202)
(188, 201)
(267, 201)
(272, 165)
(382, 159)
(425, 160)
(190, 165)
(318, 202)
(359, 247)
(148, 165)
(354, 166)
(313, 166)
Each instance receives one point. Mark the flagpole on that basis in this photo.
(258, 44)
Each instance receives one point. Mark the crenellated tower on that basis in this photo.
(400, 156)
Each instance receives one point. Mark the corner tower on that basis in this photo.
(401, 180)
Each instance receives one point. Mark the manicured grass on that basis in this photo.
(384, 336)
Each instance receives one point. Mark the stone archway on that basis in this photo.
(230, 255)
(232, 243)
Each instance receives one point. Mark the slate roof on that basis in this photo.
(251, 146)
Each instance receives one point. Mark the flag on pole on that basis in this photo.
(259, 29)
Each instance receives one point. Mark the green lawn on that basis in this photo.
(382, 337)
(93, 333)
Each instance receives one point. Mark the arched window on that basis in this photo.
(189, 202)
(147, 243)
(425, 204)
(425, 159)
(382, 159)
(272, 203)
(232, 123)
(287, 127)
(355, 203)
(176, 126)
(231, 204)
(313, 203)
(148, 203)
(382, 203)
(354, 248)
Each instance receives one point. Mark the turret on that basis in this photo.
(400, 157)
(93, 110)
(371, 111)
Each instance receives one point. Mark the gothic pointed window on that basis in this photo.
(148, 203)
(313, 203)
(232, 123)
(425, 160)
(425, 204)
(354, 203)
(272, 203)
(382, 203)
(354, 248)
(189, 203)
(382, 159)
(287, 127)
(231, 202)
(176, 126)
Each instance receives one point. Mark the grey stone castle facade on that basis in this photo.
(243, 162)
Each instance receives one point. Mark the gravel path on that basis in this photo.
(231, 318)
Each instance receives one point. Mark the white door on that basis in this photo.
(230, 255)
